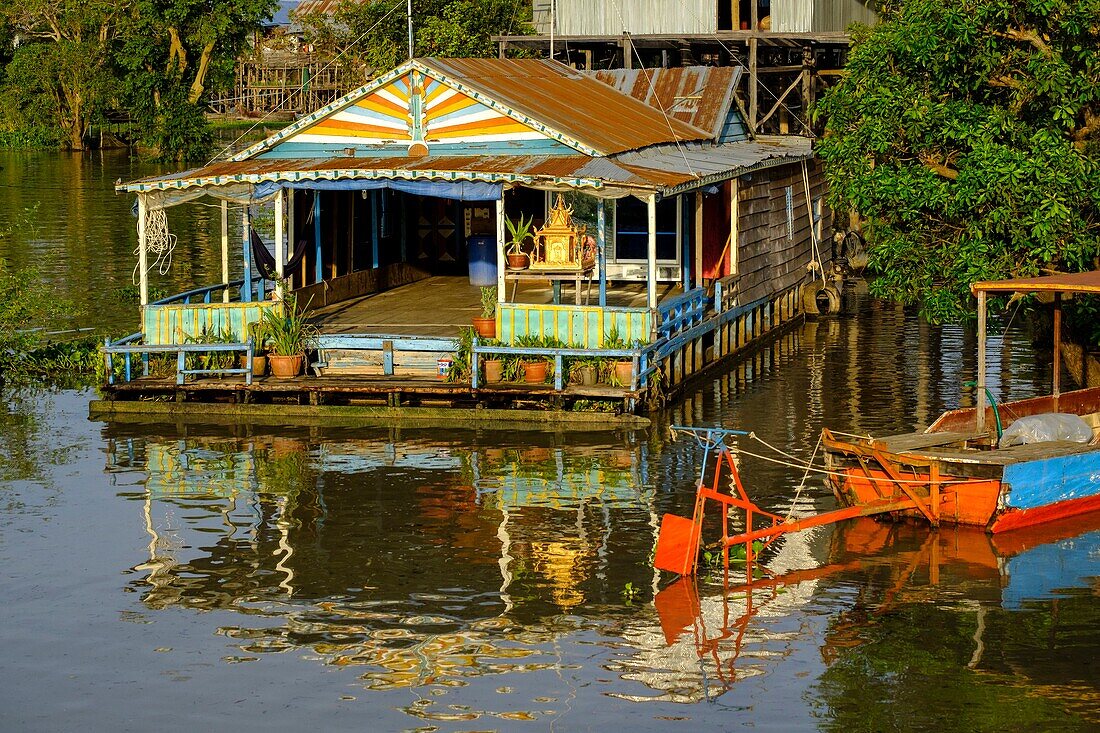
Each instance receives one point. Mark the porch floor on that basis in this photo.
(441, 305)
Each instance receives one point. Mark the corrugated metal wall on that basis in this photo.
(588, 18)
(819, 16)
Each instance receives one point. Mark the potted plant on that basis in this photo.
(258, 335)
(582, 371)
(521, 232)
(535, 368)
(486, 325)
(494, 370)
(289, 335)
(620, 371)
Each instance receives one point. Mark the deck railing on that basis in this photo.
(639, 356)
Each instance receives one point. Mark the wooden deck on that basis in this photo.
(353, 390)
(440, 306)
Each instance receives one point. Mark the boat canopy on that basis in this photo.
(1063, 282)
(1059, 284)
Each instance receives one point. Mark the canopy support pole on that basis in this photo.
(280, 241)
(1057, 387)
(685, 241)
(225, 250)
(601, 247)
(980, 426)
(502, 289)
(651, 259)
(246, 246)
(143, 252)
(318, 271)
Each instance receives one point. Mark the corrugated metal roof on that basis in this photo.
(579, 170)
(698, 95)
(668, 168)
(572, 102)
(703, 164)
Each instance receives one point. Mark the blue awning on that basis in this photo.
(458, 190)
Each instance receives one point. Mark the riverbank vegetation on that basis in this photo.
(68, 70)
(966, 134)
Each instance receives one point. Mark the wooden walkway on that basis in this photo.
(440, 306)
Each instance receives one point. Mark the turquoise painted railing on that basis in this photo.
(182, 323)
(639, 356)
(583, 326)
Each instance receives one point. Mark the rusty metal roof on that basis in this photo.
(1066, 282)
(574, 103)
(698, 95)
(570, 170)
(666, 168)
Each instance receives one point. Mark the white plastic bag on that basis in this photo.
(1046, 427)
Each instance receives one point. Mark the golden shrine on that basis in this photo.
(560, 244)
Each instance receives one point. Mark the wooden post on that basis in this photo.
(980, 424)
(808, 62)
(685, 241)
(651, 256)
(628, 51)
(225, 250)
(502, 288)
(246, 246)
(1058, 350)
(699, 236)
(143, 252)
(375, 229)
(280, 241)
(601, 246)
(291, 227)
(318, 272)
(735, 225)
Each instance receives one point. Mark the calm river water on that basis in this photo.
(202, 577)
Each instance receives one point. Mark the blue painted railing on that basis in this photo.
(386, 347)
(207, 293)
(130, 345)
(678, 314)
(639, 356)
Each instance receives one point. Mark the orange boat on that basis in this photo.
(957, 472)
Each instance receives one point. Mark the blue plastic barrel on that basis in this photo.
(483, 260)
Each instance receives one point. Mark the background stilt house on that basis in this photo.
(411, 178)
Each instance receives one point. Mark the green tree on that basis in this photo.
(172, 51)
(967, 133)
(372, 36)
(60, 72)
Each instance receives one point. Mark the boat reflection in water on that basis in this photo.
(721, 627)
(416, 562)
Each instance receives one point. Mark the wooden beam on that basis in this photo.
(980, 422)
(225, 249)
(651, 255)
(601, 246)
(143, 251)
(280, 241)
(1058, 348)
(794, 84)
(754, 105)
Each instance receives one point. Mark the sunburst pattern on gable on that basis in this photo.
(452, 116)
(376, 119)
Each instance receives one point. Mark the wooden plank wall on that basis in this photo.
(359, 283)
(768, 261)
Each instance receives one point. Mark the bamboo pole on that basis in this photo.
(143, 252)
(502, 287)
(225, 250)
(280, 241)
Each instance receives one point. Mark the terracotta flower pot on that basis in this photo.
(259, 364)
(494, 370)
(517, 261)
(534, 372)
(285, 367)
(486, 327)
(624, 371)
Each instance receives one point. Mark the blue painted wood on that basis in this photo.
(246, 248)
(318, 271)
(685, 255)
(376, 342)
(1047, 571)
(375, 231)
(601, 242)
(400, 149)
(1039, 483)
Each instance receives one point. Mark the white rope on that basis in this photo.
(158, 240)
(802, 483)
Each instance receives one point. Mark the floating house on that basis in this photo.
(692, 236)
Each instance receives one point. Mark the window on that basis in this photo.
(790, 212)
(632, 230)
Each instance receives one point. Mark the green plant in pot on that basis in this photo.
(520, 232)
(289, 334)
(258, 334)
(620, 371)
(486, 325)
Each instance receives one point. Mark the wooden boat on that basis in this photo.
(955, 471)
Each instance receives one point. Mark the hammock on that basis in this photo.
(265, 261)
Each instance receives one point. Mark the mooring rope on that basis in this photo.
(802, 483)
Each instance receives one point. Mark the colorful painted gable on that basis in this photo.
(416, 114)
